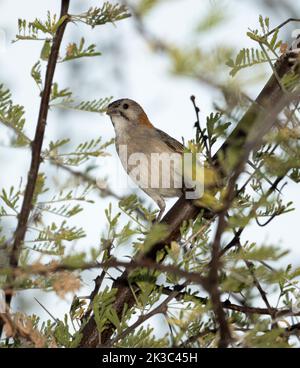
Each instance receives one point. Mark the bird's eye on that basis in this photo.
(125, 106)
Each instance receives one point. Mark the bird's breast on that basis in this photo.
(149, 161)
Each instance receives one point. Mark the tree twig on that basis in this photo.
(213, 287)
(36, 145)
(278, 312)
(161, 308)
(40, 269)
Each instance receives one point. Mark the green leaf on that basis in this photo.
(45, 53)
(102, 304)
(75, 52)
(12, 116)
(36, 74)
(108, 13)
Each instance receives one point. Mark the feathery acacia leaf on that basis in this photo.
(75, 52)
(12, 116)
(108, 13)
(248, 57)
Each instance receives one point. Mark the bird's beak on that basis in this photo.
(112, 110)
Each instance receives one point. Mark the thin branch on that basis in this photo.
(263, 294)
(235, 240)
(86, 178)
(215, 295)
(194, 338)
(282, 25)
(36, 146)
(198, 126)
(104, 190)
(161, 308)
(46, 310)
(98, 282)
(38, 140)
(48, 269)
(40, 269)
(278, 312)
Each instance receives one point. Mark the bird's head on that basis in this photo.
(127, 111)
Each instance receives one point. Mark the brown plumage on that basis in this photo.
(136, 134)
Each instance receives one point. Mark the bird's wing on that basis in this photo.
(171, 142)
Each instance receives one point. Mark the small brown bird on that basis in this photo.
(151, 157)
